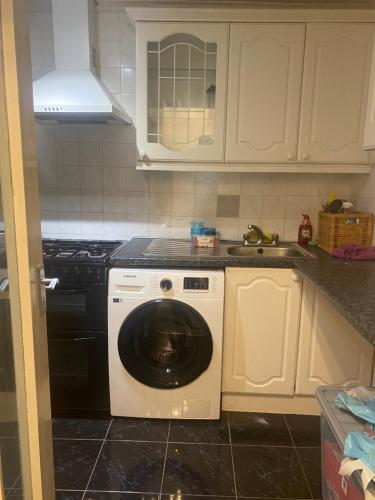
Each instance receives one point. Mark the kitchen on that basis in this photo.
(102, 184)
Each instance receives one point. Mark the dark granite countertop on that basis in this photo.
(348, 285)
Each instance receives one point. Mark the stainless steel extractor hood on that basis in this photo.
(72, 92)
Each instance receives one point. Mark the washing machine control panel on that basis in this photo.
(194, 283)
(166, 285)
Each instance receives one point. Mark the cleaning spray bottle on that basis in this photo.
(305, 231)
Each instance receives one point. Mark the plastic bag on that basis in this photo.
(359, 401)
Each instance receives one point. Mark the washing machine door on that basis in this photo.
(165, 344)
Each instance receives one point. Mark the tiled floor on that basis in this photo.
(244, 455)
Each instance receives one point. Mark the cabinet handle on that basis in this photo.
(296, 278)
(305, 156)
(290, 156)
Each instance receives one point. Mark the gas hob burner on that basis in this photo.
(79, 250)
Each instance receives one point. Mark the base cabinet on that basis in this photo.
(262, 308)
(330, 350)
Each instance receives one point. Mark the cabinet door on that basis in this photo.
(334, 94)
(369, 141)
(262, 308)
(264, 91)
(331, 351)
(181, 90)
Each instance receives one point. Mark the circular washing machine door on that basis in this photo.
(165, 344)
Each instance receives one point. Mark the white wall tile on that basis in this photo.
(161, 182)
(91, 177)
(114, 178)
(70, 224)
(108, 26)
(160, 204)
(128, 54)
(114, 225)
(205, 183)
(275, 184)
(90, 154)
(92, 223)
(92, 201)
(183, 182)
(47, 177)
(251, 206)
(90, 133)
(68, 177)
(159, 226)
(182, 204)
(137, 226)
(296, 206)
(227, 228)
(67, 153)
(114, 202)
(69, 200)
(110, 54)
(205, 205)
(274, 207)
(137, 180)
(114, 133)
(252, 183)
(114, 154)
(180, 227)
(111, 77)
(229, 183)
(274, 226)
(291, 229)
(137, 203)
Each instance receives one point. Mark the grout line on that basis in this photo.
(165, 460)
(299, 459)
(231, 453)
(97, 459)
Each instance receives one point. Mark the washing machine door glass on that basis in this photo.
(165, 344)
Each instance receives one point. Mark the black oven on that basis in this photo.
(77, 326)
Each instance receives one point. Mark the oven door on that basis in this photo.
(72, 307)
(78, 365)
(165, 344)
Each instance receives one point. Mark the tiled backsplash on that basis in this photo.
(90, 187)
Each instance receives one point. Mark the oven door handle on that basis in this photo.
(83, 339)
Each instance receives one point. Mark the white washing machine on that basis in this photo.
(165, 334)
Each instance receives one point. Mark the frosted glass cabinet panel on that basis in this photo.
(181, 72)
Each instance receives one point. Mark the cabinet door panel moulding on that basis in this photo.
(260, 348)
(331, 351)
(264, 91)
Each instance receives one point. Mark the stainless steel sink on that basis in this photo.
(282, 251)
(182, 248)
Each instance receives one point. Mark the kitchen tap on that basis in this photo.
(261, 237)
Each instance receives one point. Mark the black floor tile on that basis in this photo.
(138, 429)
(105, 495)
(259, 429)
(79, 428)
(305, 429)
(311, 463)
(200, 431)
(129, 466)
(269, 472)
(69, 495)
(198, 469)
(9, 451)
(74, 461)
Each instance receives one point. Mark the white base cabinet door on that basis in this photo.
(331, 351)
(264, 91)
(262, 310)
(334, 95)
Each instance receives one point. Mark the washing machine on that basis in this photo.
(165, 335)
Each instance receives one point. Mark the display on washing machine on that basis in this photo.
(193, 283)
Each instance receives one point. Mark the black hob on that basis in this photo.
(79, 250)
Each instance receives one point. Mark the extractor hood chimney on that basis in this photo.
(72, 92)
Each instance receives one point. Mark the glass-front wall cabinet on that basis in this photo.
(181, 95)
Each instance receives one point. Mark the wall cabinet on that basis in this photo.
(331, 351)
(262, 308)
(181, 90)
(334, 96)
(290, 93)
(264, 91)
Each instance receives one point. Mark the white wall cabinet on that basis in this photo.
(331, 351)
(262, 308)
(181, 90)
(264, 91)
(369, 139)
(334, 96)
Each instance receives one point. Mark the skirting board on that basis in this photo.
(299, 405)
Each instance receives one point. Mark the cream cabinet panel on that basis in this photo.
(262, 308)
(331, 351)
(264, 91)
(334, 95)
(181, 90)
(369, 140)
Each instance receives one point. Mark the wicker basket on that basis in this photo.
(336, 230)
